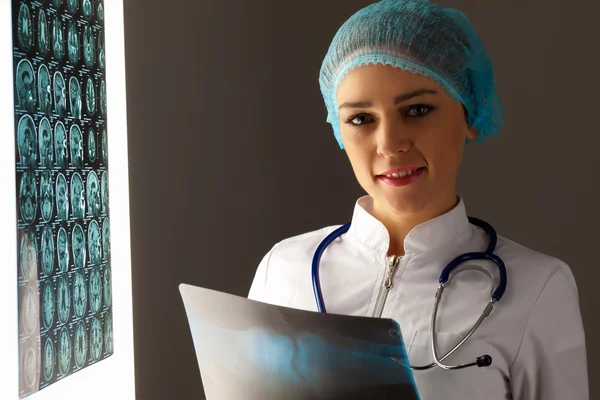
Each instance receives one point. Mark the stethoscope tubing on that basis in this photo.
(498, 293)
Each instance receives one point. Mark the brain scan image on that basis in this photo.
(46, 196)
(49, 359)
(29, 310)
(25, 27)
(63, 299)
(60, 145)
(94, 243)
(76, 144)
(106, 239)
(93, 194)
(75, 97)
(44, 90)
(25, 83)
(27, 142)
(64, 351)
(105, 192)
(95, 291)
(89, 47)
(73, 43)
(62, 198)
(81, 344)
(101, 58)
(103, 97)
(30, 367)
(73, 6)
(90, 97)
(79, 247)
(47, 253)
(62, 249)
(95, 339)
(62, 182)
(79, 294)
(48, 305)
(28, 255)
(58, 38)
(107, 287)
(46, 144)
(28, 197)
(77, 196)
(104, 147)
(87, 7)
(92, 146)
(108, 333)
(43, 36)
(60, 95)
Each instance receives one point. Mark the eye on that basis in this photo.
(359, 119)
(419, 110)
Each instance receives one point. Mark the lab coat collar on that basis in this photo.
(430, 235)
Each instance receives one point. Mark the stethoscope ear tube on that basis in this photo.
(482, 361)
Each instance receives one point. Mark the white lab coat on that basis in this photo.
(534, 334)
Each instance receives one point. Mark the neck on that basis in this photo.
(399, 224)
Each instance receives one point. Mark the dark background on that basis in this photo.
(229, 150)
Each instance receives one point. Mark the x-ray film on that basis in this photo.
(64, 266)
(255, 351)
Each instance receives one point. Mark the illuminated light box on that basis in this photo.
(65, 289)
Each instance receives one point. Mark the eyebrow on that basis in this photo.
(397, 100)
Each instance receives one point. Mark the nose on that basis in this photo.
(392, 139)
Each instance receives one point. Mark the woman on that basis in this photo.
(406, 85)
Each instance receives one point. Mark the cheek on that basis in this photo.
(443, 150)
(361, 162)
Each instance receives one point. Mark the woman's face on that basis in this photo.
(392, 119)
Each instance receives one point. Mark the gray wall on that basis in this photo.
(229, 151)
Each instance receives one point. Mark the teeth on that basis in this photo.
(401, 174)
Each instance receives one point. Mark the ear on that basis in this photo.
(471, 133)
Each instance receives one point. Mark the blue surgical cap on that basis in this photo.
(422, 38)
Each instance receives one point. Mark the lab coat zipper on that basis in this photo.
(386, 285)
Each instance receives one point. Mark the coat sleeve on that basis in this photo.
(258, 289)
(551, 362)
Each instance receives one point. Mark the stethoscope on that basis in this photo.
(451, 270)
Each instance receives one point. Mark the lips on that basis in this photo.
(402, 173)
(401, 177)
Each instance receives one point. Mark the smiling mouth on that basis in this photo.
(402, 174)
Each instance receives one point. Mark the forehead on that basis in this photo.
(376, 80)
